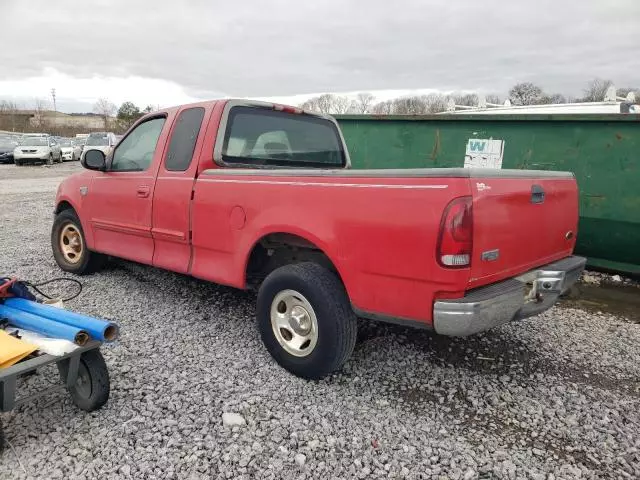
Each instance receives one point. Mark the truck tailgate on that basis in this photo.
(521, 220)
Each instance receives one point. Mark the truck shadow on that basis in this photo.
(495, 354)
(489, 352)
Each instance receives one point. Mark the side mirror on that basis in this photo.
(94, 160)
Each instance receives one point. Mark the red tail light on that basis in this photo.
(455, 240)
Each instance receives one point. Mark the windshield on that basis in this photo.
(260, 136)
(97, 141)
(7, 142)
(35, 141)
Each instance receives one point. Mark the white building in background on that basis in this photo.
(610, 104)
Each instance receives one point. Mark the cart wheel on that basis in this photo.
(91, 390)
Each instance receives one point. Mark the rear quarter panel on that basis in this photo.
(380, 233)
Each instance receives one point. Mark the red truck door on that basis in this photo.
(119, 200)
(172, 196)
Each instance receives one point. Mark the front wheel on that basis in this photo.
(69, 246)
(305, 319)
(50, 159)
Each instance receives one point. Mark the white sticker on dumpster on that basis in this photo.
(484, 153)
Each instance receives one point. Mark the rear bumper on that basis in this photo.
(524, 296)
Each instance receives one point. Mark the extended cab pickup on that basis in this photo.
(257, 195)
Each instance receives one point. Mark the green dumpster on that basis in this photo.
(602, 150)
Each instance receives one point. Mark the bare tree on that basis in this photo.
(341, 104)
(39, 110)
(410, 105)
(383, 108)
(437, 103)
(557, 98)
(105, 109)
(468, 99)
(596, 90)
(495, 99)
(526, 94)
(327, 103)
(362, 103)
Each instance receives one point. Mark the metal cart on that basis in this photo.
(83, 372)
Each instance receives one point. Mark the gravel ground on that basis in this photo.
(554, 397)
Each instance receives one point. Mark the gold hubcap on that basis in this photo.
(71, 243)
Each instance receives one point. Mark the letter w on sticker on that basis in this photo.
(477, 146)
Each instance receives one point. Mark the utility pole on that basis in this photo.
(53, 95)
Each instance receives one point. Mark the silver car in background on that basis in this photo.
(103, 141)
(70, 149)
(37, 147)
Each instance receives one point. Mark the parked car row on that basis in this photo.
(44, 148)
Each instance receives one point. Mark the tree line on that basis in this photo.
(521, 94)
(42, 119)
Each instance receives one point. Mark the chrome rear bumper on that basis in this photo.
(528, 294)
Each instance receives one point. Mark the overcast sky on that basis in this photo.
(170, 52)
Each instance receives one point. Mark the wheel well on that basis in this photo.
(278, 249)
(62, 206)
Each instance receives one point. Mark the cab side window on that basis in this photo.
(135, 152)
(183, 139)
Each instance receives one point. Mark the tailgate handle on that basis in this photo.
(537, 194)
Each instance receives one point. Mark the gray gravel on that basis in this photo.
(554, 397)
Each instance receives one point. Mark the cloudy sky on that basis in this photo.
(168, 52)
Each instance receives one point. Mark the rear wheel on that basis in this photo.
(50, 159)
(305, 319)
(69, 246)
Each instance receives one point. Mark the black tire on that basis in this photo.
(49, 160)
(18, 163)
(91, 391)
(337, 323)
(89, 261)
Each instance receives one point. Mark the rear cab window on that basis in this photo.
(261, 136)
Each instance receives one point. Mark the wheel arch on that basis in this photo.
(63, 205)
(288, 246)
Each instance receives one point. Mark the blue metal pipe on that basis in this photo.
(98, 329)
(44, 326)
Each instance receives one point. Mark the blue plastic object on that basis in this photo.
(44, 326)
(98, 329)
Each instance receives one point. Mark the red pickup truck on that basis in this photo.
(257, 195)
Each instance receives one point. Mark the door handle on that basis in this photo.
(143, 191)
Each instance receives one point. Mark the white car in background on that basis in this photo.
(70, 149)
(37, 147)
(103, 141)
